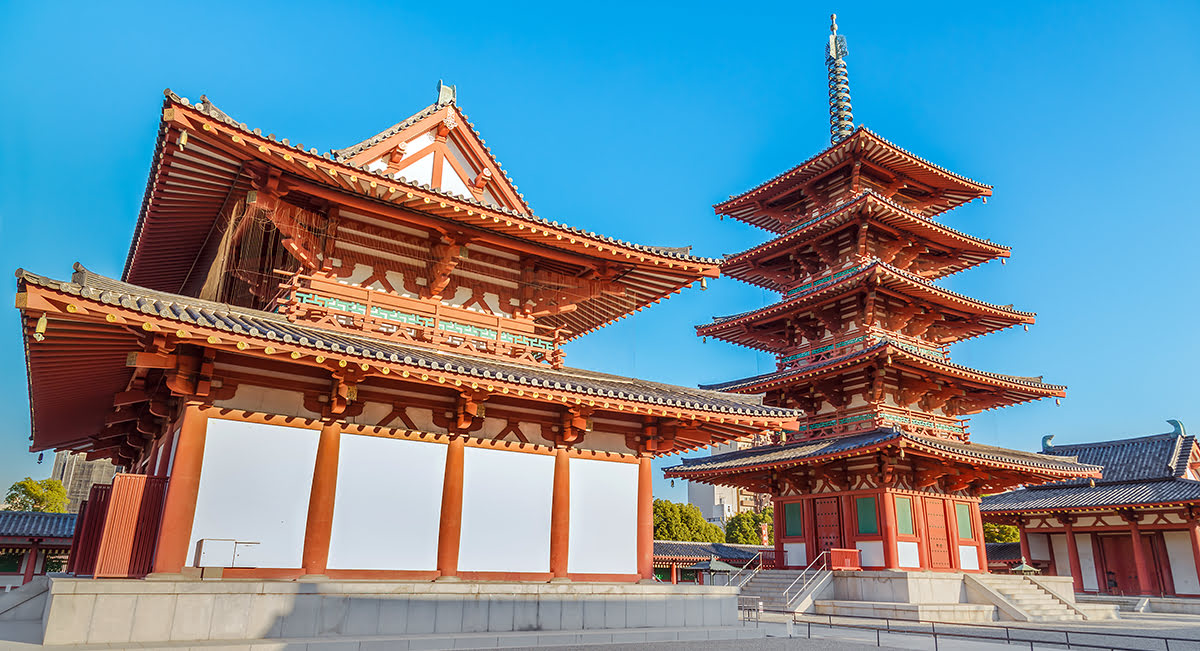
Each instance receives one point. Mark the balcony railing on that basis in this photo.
(324, 301)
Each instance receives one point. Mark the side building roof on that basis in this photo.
(21, 524)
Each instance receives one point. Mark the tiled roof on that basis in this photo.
(1159, 456)
(1004, 552)
(19, 524)
(1169, 491)
(704, 550)
(274, 327)
(347, 153)
(792, 453)
(207, 108)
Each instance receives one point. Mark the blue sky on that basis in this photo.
(632, 120)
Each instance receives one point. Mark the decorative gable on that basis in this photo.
(438, 147)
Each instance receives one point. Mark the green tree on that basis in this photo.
(998, 533)
(673, 521)
(45, 496)
(746, 528)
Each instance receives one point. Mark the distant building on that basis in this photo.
(719, 503)
(78, 474)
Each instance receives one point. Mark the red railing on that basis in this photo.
(844, 559)
(118, 527)
(770, 560)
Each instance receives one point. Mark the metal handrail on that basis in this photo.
(913, 628)
(757, 559)
(821, 558)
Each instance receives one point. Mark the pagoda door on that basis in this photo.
(1120, 574)
(829, 524)
(939, 538)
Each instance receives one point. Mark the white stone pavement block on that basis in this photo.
(525, 613)
(500, 615)
(421, 614)
(593, 612)
(516, 641)
(555, 614)
(693, 611)
(69, 620)
(231, 617)
(448, 615)
(393, 616)
(475, 614)
(557, 639)
(152, 618)
(301, 621)
(193, 617)
(362, 615)
(629, 637)
(332, 620)
(635, 612)
(661, 636)
(656, 611)
(112, 618)
(267, 611)
(383, 645)
(614, 612)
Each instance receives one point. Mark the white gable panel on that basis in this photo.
(420, 171)
(451, 181)
(461, 158)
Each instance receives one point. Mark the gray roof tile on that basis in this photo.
(29, 523)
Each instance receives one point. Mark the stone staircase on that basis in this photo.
(1038, 604)
(768, 585)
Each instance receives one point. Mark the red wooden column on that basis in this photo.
(674, 573)
(1194, 531)
(780, 529)
(1072, 551)
(1026, 555)
(1139, 555)
(31, 564)
(560, 514)
(450, 531)
(645, 520)
(319, 528)
(981, 549)
(171, 550)
(889, 529)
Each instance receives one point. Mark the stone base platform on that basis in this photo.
(923, 612)
(1167, 605)
(142, 613)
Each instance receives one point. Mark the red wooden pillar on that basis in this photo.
(1073, 552)
(1194, 531)
(674, 573)
(31, 563)
(849, 522)
(450, 529)
(318, 530)
(1145, 586)
(952, 539)
(780, 531)
(560, 514)
(1026, 554)
(921, 528)
(889, 528)
(171, 550)
(645, 520)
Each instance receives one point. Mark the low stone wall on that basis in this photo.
(123, 611)
(900, 587)
(926, 612)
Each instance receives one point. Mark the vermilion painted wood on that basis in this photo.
(318, 529)
(87, 545)
(844, 559)
(131, 526)
(829, 526)
(72, 558)
(645, 520)
(939, 537)
(560, 514)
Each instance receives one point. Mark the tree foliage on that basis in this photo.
(673, 521)
(997, 533)
(745, 528)
(44, 496)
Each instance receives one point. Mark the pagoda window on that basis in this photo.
(904, 517)
(793, 519)
(962, 513)
(868, 519)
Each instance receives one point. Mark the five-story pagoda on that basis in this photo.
(881, 462)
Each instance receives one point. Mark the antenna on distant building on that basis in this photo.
(841, 120)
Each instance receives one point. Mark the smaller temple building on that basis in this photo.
(32, 544)
(1136, 531)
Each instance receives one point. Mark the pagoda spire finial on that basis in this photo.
(841, 120)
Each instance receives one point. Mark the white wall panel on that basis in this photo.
(797, 554)
(1062, 562)
(1039, 547)
(388, 505)
(968, 557)
(602, 536)
(908, 553)
(254, 486)
(1087, 561)
(1183, 562)
(506, 511)
(870, 553)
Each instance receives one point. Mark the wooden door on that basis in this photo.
(829, 524)
(1120, 572)
(939, 539)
